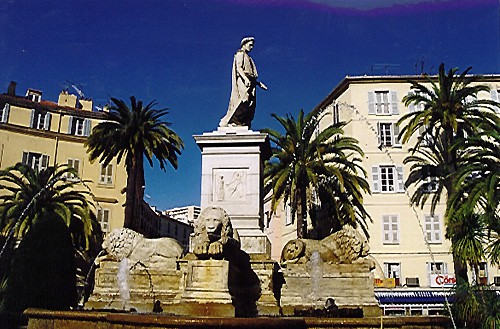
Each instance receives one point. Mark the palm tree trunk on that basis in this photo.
(135, 192)
(459, 267)
(302, 213)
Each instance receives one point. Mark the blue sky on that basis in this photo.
(179, 53)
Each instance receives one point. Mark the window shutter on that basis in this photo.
(371, 102)
(102, 176)
(401, 185)
(46, 123)
(379, 134)
(86, 127)
(5, 114)
(25, 158)
(32, 119)
(375, 179)
(395, 129)
(394, 102)
(411, 106)
(109, 173)
(70, 124)
(494, 94)
(45, 161)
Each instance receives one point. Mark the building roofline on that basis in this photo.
(348, 80)
(49, 106)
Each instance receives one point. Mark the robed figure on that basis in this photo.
(241, 108)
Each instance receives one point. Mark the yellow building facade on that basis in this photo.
(407, 243)
(41, 133)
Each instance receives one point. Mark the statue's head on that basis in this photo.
(247, 43)
(215, 221)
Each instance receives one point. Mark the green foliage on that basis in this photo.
(43, 269)
(311, 163)
(448, 112)
(138, 129)
(134, 133)
(56, 224)
(478, 186)
(30, 195)
(476, 306)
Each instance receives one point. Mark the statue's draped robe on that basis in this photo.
(241, 108)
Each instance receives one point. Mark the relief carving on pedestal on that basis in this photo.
(229, 185)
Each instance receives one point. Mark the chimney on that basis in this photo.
(66, 99)
(11, 91)
(86, 104)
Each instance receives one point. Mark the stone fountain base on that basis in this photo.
(348, 286)
(191, 287)
(43, 319)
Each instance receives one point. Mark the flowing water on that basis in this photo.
(123, 277)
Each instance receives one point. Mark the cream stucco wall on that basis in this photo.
(350, 101)
(17, 137)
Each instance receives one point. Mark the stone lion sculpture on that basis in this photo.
(213, 233)
(126, 243)
(343, 247)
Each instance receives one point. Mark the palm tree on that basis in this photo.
(447, 111)
(31, 196)
(309, 164)
(34, 201)
(479, 186)
(134, 133)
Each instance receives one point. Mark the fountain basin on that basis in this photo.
(45, 319)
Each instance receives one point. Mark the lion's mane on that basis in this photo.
(342, 247)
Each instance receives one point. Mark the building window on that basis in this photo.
(437, 268)
(79, 126)
(429, 181)
(416, 107)
(483, 273)
(75, 164)
(35, 160)
(383, 102)
(34, 95)
(103, 218)
(106, 175)
(40, 120)
(388, 134)
(433, 229)
(390, 229)
(426, 136)
(4, 113)
(393, 270)
(336, 114)
(387, 179)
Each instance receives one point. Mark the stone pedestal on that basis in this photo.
(348, 285)
(147, 283)
(232, 178)
(266, 270)
(204, 289)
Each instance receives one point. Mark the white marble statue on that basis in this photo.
(241, 108)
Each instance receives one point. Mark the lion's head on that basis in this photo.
(294, 249)
(213, 224)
